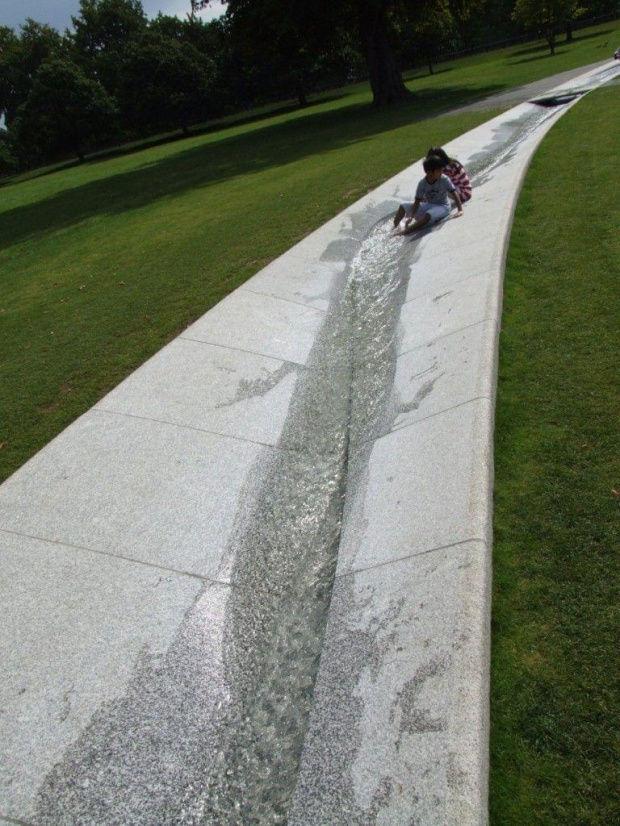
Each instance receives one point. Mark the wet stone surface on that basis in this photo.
(386, 706)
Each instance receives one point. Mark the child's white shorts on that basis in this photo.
(436, 211)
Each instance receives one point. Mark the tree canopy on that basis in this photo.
(20, 57)
(547, 16)
(163, 80)
(64, 110)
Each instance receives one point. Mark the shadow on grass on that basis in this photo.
(422, 72)
(541, 46)
(577, 36)
(162, 139)
(233, 156)
(546, 56)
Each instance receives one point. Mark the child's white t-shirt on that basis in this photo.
(435, 193)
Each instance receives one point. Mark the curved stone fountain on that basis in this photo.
(252, 584)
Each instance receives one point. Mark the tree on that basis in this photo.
(65, 112)
(206, 37)
(386, 80)
(165, 83)
(432, 28)
(277, 42)
(300, 30)
(8, 159)
(546, 15)
(20, 57)
(9, 73)
(102, 32)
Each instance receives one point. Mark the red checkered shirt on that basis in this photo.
(459, 178)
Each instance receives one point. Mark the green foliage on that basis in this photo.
(292, 32)
(65, 110)
(287, 43)
(8, 158)
(103, 30)
(546, 16)
(165, 82)
(107, 26)
(20, 57)
(430, 28)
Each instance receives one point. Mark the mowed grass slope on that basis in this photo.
(556, 680)
(101, 264)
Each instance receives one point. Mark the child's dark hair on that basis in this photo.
(432, 163)
(438, 152)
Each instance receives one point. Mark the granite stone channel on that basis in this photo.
(243, 767)
(212, 730)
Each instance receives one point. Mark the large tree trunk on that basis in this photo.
(386, 80)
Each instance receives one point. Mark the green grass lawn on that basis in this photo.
(555, 684)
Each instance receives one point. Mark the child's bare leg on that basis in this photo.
(421, 222)
(400, 212)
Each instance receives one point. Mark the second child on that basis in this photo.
(454, 170)
(431, 199)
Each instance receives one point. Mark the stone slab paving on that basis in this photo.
(261, 324)
(422, 487)
(212, 388)
(403, 678)
(132, 546)
(135, 488)
(88, 613)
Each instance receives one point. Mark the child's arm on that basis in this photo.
(457, 200)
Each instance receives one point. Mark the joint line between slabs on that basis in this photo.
(412, 556)
(290, 450)
(97, 408)
(182, 337)
(433, 415)
(281, 298)
(430, 256)
(424, 419)
(452, 284)
(129, 559)
(447, 335)
(491, 269)
(240, 350)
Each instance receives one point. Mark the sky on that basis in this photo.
(57, 13)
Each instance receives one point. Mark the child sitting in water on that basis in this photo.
(431, 199)
(454, 170)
